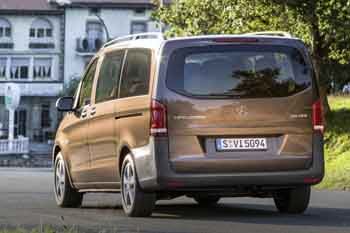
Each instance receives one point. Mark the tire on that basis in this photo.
(136, 202)
(65, 195)
(204, 200)
(293, 201)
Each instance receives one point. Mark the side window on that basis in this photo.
(108, 81)
(86, 87)
(136, 75)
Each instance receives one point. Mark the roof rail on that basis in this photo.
(149, 35)
(271, 33)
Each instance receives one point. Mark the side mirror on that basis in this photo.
(65, 104)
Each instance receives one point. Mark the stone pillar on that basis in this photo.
(11, 128)
(36, 117)
(8, 68)
(31, 69)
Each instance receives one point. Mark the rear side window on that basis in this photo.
(135, 80)
(242, 71)
(108, 81)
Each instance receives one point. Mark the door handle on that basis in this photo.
(137, 114)
(93, 111)
(83, 114)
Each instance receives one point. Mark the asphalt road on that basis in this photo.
(26, 200)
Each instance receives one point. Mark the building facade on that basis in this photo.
(31, 55)
(86, 22)
(46, 43)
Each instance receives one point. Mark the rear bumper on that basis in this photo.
(162, 178)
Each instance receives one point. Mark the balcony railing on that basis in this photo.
(6, 43)
(89, 45)
(43, 88)
(41, 43)
(15, 146)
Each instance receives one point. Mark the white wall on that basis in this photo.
(20, 26)
(37, 89)
(34, 92)
(118, 22)
(20, 30)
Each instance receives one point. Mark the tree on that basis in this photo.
(70, 88)
(328, 23)
(323, 24)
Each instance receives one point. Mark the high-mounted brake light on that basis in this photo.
(158, 119)
(235, 40)
(317, 116)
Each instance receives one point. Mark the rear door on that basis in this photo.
(133, 115)
(102, 135)
(239, 107)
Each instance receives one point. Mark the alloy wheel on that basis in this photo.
(60, 177)
(128, 182)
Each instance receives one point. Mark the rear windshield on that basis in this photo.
(242, 71)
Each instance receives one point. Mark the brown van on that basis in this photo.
(207, 117)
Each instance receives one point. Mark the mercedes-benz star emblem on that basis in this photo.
(242, 110)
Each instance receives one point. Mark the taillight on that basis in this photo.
(158, 119)
(317, 116)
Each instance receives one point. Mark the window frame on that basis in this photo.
(135, 22)
(123, 72)
(140, 12)
(49, 32)
(20, 122)
(32, 33)
(6, 28)
(172, 59)
(21, 68)
(45, 109)
(40, 33)
(3, 74)
(94, 11)
(90, 26)
(77, 98)
(124, 53)
(51, 67)
(37, 32)
(7, 32)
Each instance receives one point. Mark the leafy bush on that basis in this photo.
(337, 145)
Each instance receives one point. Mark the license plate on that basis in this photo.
(225, 144)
